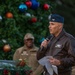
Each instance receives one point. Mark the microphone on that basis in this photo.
(47, 39)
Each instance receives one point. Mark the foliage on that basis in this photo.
(13, 29)
(9, 68)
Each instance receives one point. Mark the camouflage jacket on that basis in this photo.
(30, 57)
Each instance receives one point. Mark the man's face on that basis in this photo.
(29, 43)
(55, 27)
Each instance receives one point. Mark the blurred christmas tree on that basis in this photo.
(18, 17)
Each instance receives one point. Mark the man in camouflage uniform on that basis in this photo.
(28, 53)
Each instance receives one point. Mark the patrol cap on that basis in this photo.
(28, 36)
(56, 18)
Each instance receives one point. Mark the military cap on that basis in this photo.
(28, 36)
(56, 18)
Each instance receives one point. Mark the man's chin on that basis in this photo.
(30, 46)
(51, 33)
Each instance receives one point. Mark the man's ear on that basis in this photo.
(60, 25)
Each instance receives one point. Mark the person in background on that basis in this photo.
(28, 53)
(61, 47)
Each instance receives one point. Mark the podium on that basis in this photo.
(8, 67)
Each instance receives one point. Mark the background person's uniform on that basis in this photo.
(61, 47)
(30, 57)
